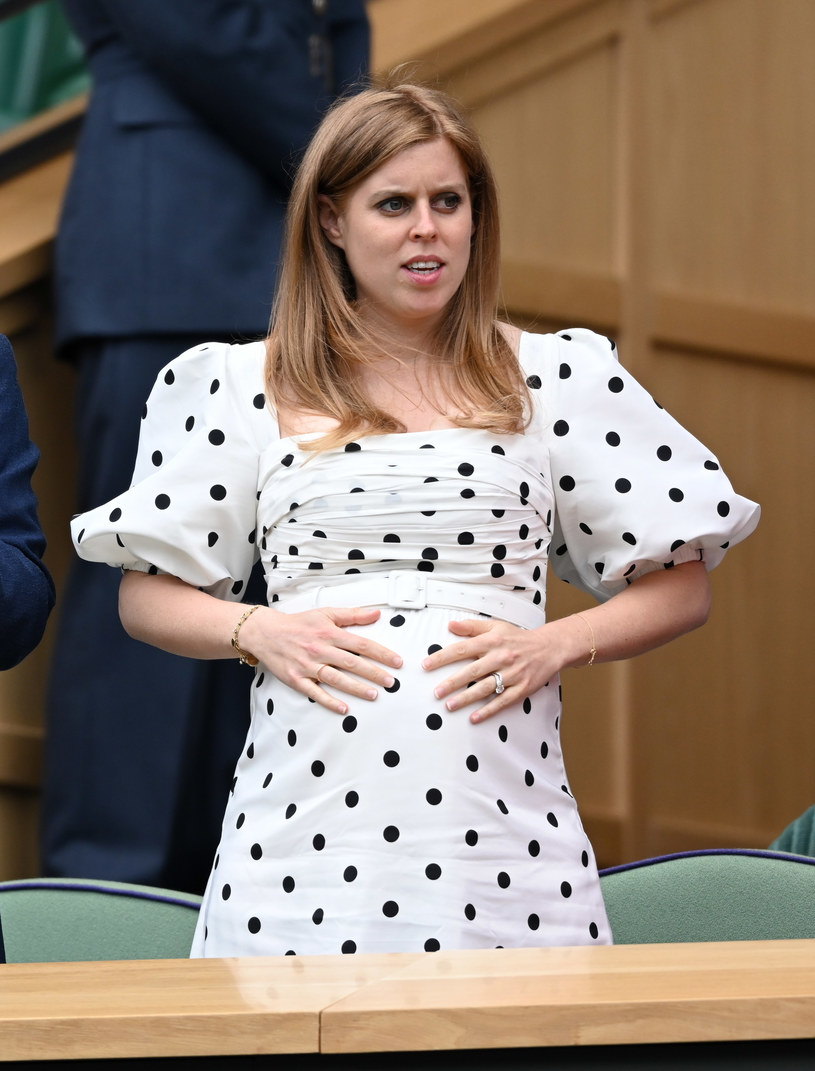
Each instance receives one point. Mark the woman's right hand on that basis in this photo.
(304, 650)
(318, 647)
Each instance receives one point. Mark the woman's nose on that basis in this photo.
(424, 225)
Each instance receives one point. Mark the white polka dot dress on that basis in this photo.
(402, 826)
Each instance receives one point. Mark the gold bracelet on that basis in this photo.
(244, 656)
(587, 623)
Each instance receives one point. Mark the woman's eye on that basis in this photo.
(393, 204)
(449, 201)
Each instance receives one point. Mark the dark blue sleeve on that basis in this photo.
(26, 587)
(248, 68)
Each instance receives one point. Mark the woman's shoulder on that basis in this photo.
(512, 334)
(215, 379)
(554, 358)
(230, 359)
(219, 369)
(581, 342)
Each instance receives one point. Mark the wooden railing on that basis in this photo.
(552, 1007)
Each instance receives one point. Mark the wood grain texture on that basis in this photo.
(147, 1008)
(571, 996)
(29, 209)
(503, 998)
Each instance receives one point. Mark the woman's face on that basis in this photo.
(405, 231)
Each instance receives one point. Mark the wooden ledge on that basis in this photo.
(149, 1008)
(627, 994)
(29, 209)
(502, 998)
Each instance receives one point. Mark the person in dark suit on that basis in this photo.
(169, 235)
(26, 587)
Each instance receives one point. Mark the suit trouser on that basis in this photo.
(141, 745)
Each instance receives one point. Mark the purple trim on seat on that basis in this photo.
(786, 857)
(138, 894)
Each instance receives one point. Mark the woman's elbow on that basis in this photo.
(131, 603)
(699, 600)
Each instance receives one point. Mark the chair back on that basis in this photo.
(799, 836)
(47, 920)
(715, 895)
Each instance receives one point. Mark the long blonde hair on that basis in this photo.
(317, 339)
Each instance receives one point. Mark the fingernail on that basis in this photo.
(371, 693)
(389, 682)
(426, 663)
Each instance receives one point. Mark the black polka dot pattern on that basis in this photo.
(648, 483)
(401, 826)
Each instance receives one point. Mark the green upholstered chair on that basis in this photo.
(799, 836)
(41, 63)
(716, 895)
(46, 920)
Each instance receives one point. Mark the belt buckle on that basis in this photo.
(407, 591)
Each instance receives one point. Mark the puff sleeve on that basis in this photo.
(634, 491)
(192, 507)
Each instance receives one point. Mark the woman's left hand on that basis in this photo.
(526, 660)
(656, 608)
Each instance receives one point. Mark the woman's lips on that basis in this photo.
(424, 269)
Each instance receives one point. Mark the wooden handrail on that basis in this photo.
(628, 995)
(41, 138)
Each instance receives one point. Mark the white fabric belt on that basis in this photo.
(415, 590)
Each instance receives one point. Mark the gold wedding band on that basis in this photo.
(319, 671)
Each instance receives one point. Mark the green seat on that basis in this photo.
(41, 63)
(46, 920)
(799, 836)
(716, 895)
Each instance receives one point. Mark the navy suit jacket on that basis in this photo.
(173, 217)
(26, 588)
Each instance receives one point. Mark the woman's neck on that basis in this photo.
(404, 379)
(414, 391)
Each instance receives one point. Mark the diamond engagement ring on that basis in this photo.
(499, 683)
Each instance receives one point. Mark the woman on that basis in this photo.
(403, 462)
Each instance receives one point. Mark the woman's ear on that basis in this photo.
(330, 219)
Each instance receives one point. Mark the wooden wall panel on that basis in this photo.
(732, 157)
(747, 744)
(545, 151)
(731, 86)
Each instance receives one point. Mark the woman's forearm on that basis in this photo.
(167, 613)
(304, 650)
(655, 609)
